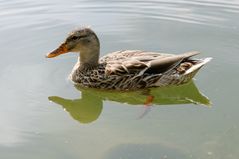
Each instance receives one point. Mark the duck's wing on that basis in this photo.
(136, 61)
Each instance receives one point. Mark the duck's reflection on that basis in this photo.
(89, 106)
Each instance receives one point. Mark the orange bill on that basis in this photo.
(62, 49)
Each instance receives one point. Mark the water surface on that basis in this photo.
(42, 115)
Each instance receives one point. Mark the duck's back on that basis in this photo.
(135, 69)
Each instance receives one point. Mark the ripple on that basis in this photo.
(198, 12)
(203, 12)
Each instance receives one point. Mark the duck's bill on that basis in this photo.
(62, 49)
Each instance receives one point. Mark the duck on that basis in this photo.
(125, 69)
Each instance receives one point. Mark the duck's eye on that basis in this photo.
(74, 38)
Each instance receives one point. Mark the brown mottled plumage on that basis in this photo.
(128, 69)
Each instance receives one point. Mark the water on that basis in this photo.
(42, 115)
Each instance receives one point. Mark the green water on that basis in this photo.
(43, 115)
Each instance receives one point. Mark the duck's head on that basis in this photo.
(83, 41)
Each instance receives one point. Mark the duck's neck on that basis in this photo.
(89, 59)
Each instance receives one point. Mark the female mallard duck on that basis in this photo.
(128, 69)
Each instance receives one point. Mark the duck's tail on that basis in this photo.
(176, 79)
(197, 66)
(192, 71)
